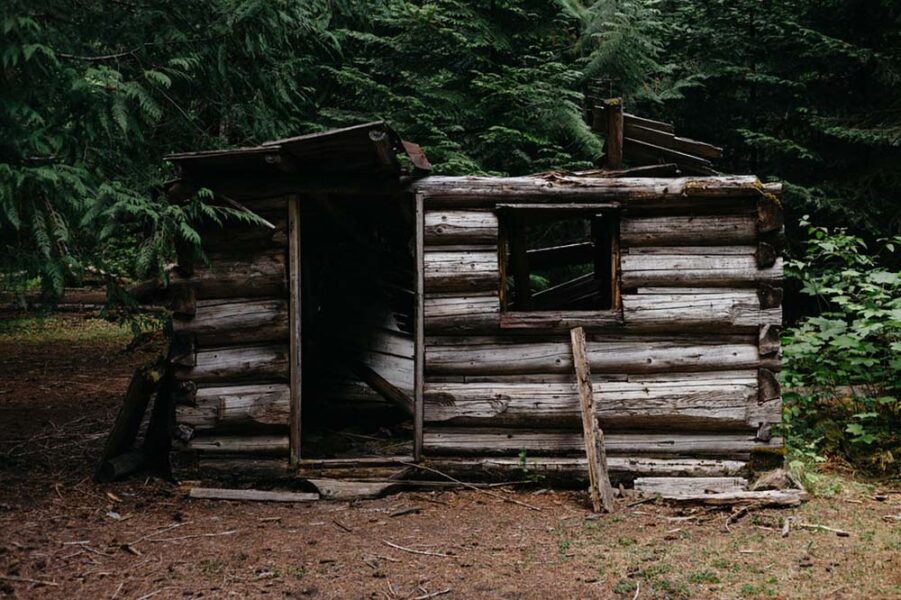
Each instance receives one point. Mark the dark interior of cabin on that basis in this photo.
(357, 306)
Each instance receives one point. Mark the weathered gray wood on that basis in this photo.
(506, 356)
(614, 143)
(452, 227)
(720, 266)
(240, 444)
(595, 452)
(769, 339)
(709, 230)
(461, 271)
(488, 441)
(781, 498)
(339, 489)
(686, 309)
(295, 358)
(560, 321)
(259, 363)
(250, 495)
(143, 384)
(769, 211)
(245, 276)
(577, 467)
(630, 191)
(768, 388)
(634, 149)
(667, 139)
(419, 333)
(381, 385)
(689, 486)
(242, 321)
(237, 406)
(649, 123)
(699, 401)
(462, 313)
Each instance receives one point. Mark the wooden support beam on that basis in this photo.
(419, 340)
(294, 329)
(614, 146)
(598, 477)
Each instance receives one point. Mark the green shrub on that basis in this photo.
(842, 373)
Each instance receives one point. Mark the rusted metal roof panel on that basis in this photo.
(369, 150)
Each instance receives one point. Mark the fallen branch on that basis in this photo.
(196, 535)
(474, 487)
(838, 532)
(433, 594)
(414, 551)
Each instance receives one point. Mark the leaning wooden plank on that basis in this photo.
(595, 453)
(782, 498)
(217, 323)
(545, 258)
(260, 363)
(681, 230)
(250, 495)
(236, 406)
(643, 151)
(498, 356)
(443, 228)
(381, 385)
(668, 140)
(689, 486)
(649, 123)
(497, 441)
(128, 420)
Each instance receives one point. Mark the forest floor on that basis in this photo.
(63, 536)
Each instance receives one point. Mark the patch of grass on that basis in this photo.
(703, 577)
(44, 329)
(211, 567)
(624, 586)
(671, 589)
(654, 571)
(755, 591)
(625, 542)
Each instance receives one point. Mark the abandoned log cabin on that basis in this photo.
(376, 315)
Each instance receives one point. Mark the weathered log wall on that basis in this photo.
(231, 345)
(676, 370)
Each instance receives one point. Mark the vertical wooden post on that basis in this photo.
(294, 318)
(522, 287)
(419, 366)
(598, 478)
(614, 112)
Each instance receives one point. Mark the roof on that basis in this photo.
(369, 150)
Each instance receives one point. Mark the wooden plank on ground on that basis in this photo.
(250, 495)
(599, 479)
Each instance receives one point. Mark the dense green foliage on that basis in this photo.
(844, 364)
(94, 93)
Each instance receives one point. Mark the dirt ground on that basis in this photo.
(62, 536)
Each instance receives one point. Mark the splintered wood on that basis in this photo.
(599, 480)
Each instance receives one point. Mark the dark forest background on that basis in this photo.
(808, 92)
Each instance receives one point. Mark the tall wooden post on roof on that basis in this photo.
(614, 110)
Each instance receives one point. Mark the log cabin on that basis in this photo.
(374, 316)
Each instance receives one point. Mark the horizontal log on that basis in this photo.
(720, 266)
(241, 277)
(462, 313)
(505, 356)
(685, 309)
(239, 444)
(630, 192)
(458, 441)
(576, 468)
(460, 227)
(221, 323)
(689, 486)
(709, 230)
(260, 363)
(236, 406)
(686, 400)
(781, 498)
(461, 271)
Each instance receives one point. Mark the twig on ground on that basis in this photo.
(637, 590)
(838, 532)
(433, 594)
(28, 580)
(342, 526)
(406, 511)
(474, 487)
(196, 535)
(414, 551)
(157, 532)
(786, 526)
